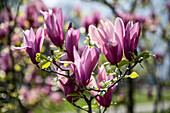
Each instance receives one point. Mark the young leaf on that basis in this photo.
(144, 55)
(85, 92)
(45, 64)
(58, 56)
(73, 94)
(74, 98)
(133, 75)
(94, 106)
(123, 62)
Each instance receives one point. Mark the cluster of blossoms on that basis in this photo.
(111, 40)
(32, 86)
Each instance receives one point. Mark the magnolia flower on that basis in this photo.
(131, 39)
(68, 87)
(54, 26)
(87, 21)
(109, 38)
(84, 66)
(33, 43)
(126, 17)
(71, 40)
(104, 100)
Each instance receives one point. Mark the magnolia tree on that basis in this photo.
(75, 70)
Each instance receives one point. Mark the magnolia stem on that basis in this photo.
(105, 109)
(68, 71)
(120, 72)
(52, 71)
(79, 107)
(127, 69)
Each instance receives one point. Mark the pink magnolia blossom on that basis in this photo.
(71, 40)
(84, 66)
(87, 21)
(131, 39)
(104, 100)
(33, 43)
(109, 38)
(126, 17)
(68, 87)
(54, 26)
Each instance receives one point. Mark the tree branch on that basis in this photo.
(79, 107)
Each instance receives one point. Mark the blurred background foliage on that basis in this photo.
(25, 88)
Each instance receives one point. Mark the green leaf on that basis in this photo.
(133, 75)
(94, 106)
(73, 94)
(85, 92)
(86, 41)
(43, 57)
(58, 56)
(123, 62)
(45, 64)
(143, 55)
(112, 81)
(74, 98)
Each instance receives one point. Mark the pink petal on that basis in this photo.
(31, 37)
(119, 29)
(39, 39)
(94, 35)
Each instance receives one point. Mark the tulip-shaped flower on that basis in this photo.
(33, 43)
(96, 18)
(84, 66)
(71, 40)
(109, 38)
(104, 100)
(87, 21)
(68, 87)
(54, 26)
(131, 39)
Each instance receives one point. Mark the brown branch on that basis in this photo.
(79, 107)
(127, 70)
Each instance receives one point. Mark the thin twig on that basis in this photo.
(90, 89)
(79, 107)
(105, 109)
(128, 69)
(111, 6)
(120, 72)
(52, 71)
(67, 70)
